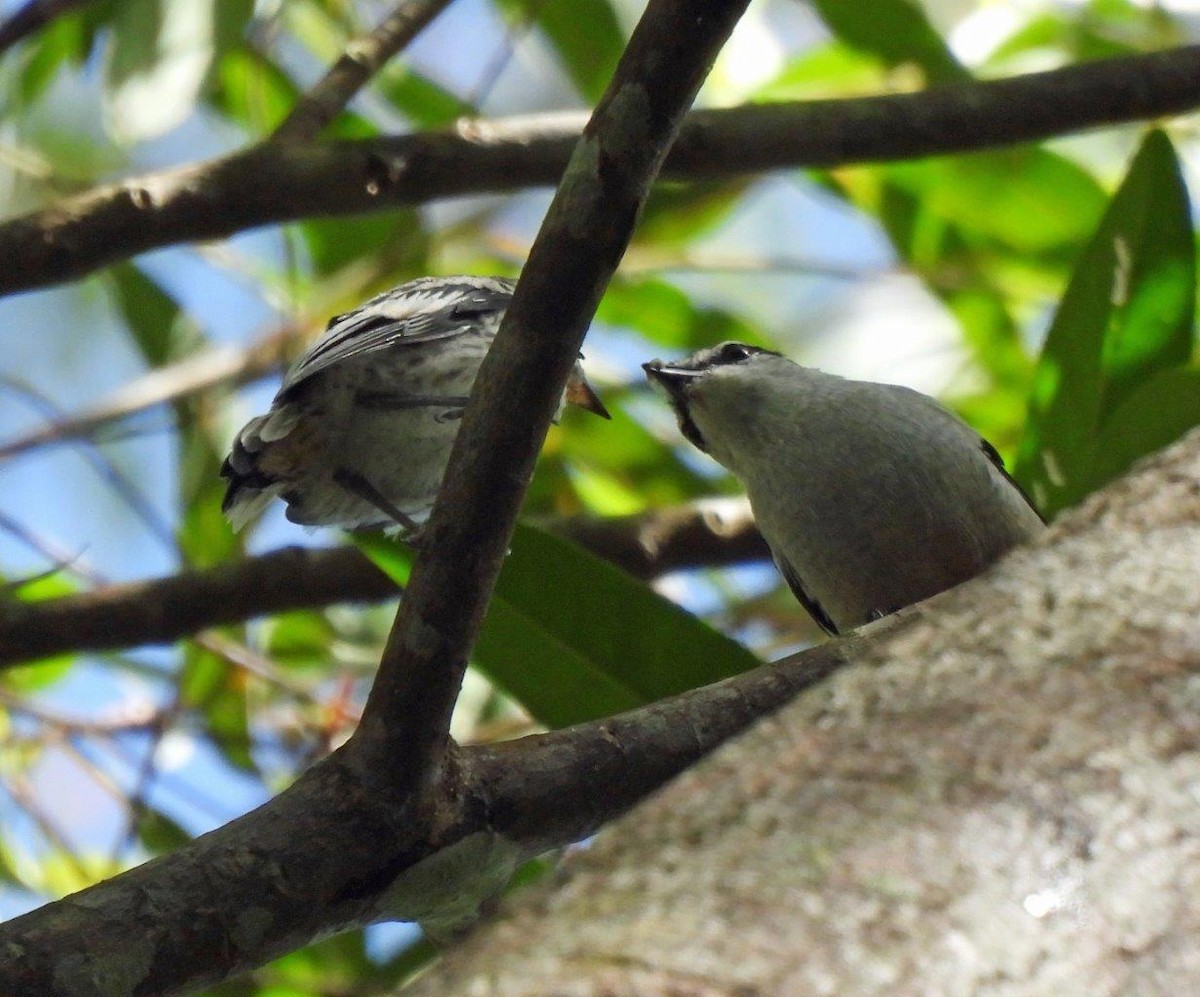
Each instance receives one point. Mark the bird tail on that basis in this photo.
(251, 488)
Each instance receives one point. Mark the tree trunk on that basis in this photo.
(1004, 799)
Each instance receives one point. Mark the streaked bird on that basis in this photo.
(360, 432)
(870, 496)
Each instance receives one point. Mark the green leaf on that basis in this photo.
(158, 832)
(896, 32)
(391, 557)
(585, 34)
(573, 638)
(831, 70)
(252, 91)
(1155, 414)
(65, 39)
(217, 690)
(420, 99)
(205, 536)
(638, 641)
(677, 214)
(1125, 318)
(231, 18)
(1028, 199)
(392, 241)
(299, 639)
(151, 314)
(666, 316)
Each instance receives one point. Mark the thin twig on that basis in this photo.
(173, 383)
(109, 473)
(362, 59)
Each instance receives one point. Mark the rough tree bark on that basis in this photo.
(1003, 797)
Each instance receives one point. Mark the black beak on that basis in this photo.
(675, 382)
(674, 379)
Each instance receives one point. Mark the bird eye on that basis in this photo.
(735, 352)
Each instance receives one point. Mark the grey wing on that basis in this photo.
(815, 609)
(421, 311)
(994, 456)
(907, 396)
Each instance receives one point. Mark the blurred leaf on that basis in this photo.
(231, 19)
(299, 639)
(217, 691)
(396, 240)
(1059, 34)
(64, 40)
(584, 33)
(572, 638)
(393, 558)
(623, 451)
(37, 676)
(151, 315)
(159, 56)
(1125, 318)
(60, 872)
(667, 316)
(69, 37)
(676, 214)
(1027, 198)
(158, 832)
(205, 537)
(831, 70)
(1154, 414)
(420, 99)
(252, 91)
(895, 31)
(338, 965)
(8, 864)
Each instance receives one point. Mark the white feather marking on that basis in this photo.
(250, 504)
(277, 423)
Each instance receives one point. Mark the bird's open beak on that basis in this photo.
(671, 378)
(580, 393)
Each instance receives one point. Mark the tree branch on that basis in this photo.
(323, 855)
(160, 610)
(363, 58)
(276, 182)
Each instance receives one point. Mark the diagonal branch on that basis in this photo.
(320, 856)
(581, 241)
(363, 58)
(160, 610)
(278, 182)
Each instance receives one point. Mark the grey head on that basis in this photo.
(718, 394)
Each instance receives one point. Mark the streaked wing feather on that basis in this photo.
(382, 324)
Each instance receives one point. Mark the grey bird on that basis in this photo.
(870, 496)
(360, 433)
